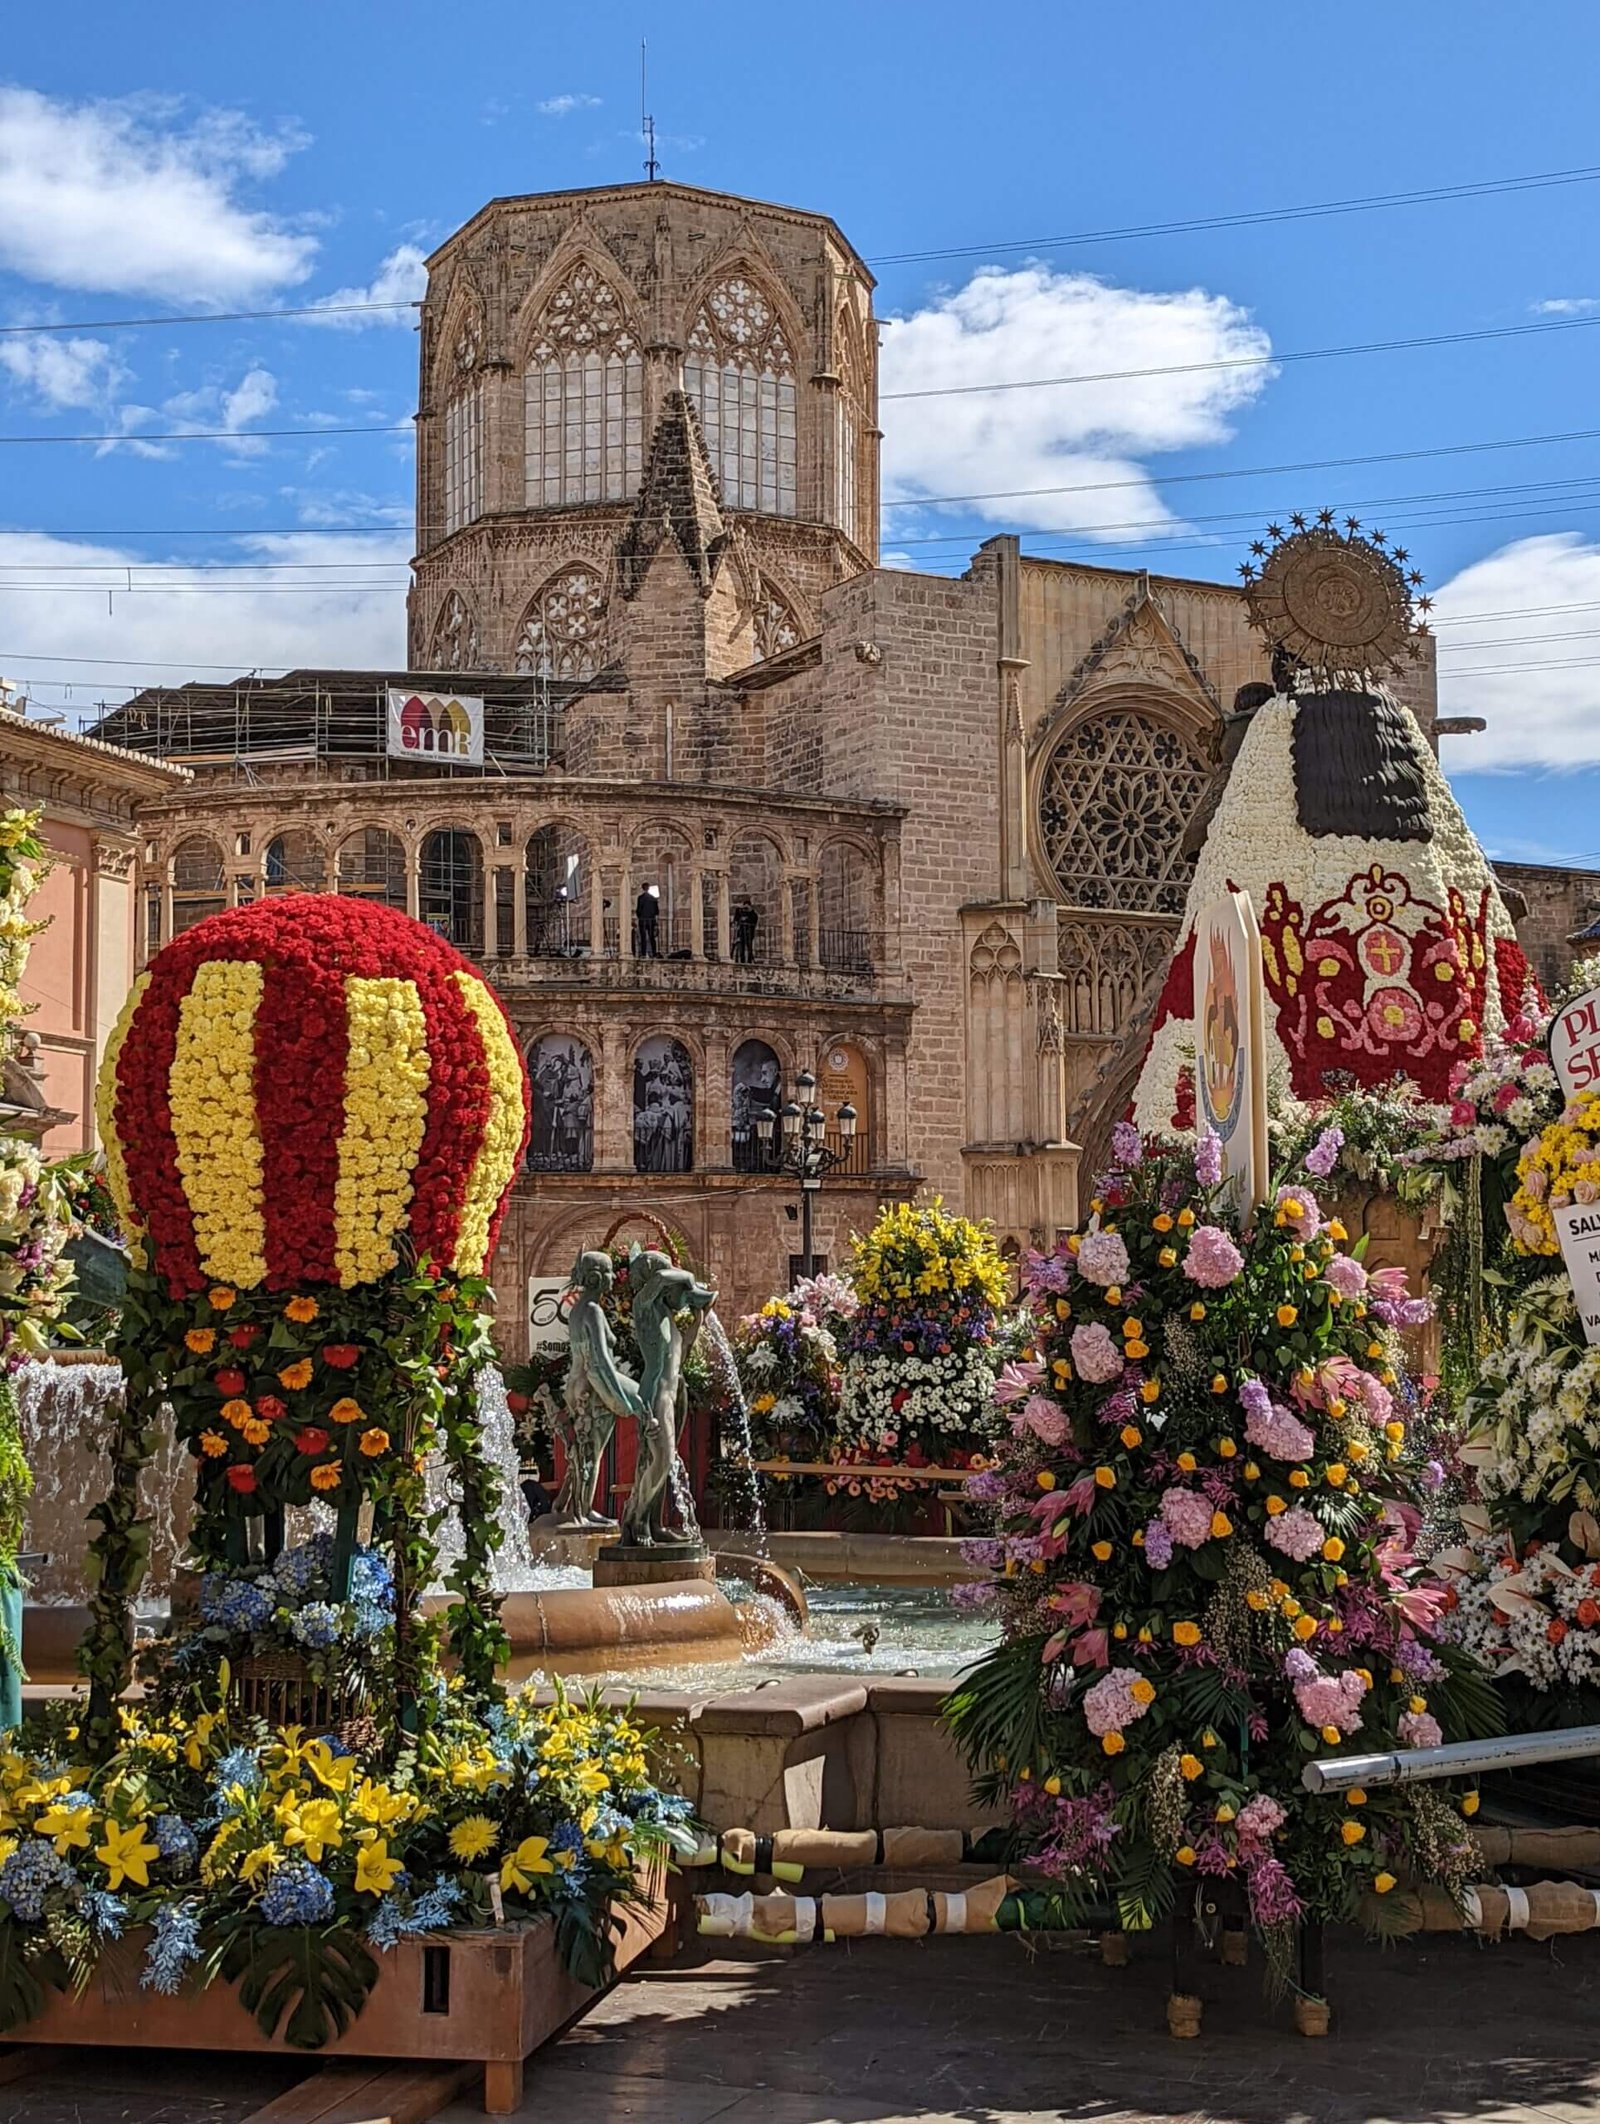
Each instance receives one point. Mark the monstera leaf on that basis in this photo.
(23, 1979)
(311, 1980)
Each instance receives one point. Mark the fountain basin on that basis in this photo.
(592, 1629)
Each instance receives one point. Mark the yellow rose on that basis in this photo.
(1186, 1633)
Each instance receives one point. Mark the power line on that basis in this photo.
(1371, 203)
(233, 435)
(131, 324)
(1252, 361)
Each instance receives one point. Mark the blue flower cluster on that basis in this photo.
(316, 1625)
(107, 1913)
(297, 1894)
(174, 1944)
(235, 1604)
(176, 1841)
(29, 1874)
(400, 1916)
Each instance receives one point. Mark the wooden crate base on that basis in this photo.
(469, 1998)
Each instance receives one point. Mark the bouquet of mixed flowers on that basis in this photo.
(285, 1861)
(1361, 1138)
(1203, 1560)
(290, 1606)
(920, 1350)
(788, 1355)
(23, 860)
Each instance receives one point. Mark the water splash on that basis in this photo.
(514, 1568)
(750, 1516)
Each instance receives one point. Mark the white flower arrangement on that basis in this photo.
(1534, 1418)
(887, 1397)
(1538, 1617)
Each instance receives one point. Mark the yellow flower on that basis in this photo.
(1185, 1219)
(327, 1476)
(1219, 1384)
(1469, 1804)
(1225, 1813)
(374, 1442)
(1276, 1504)
(1131, 1435)
(375, 1869)
(1163, 1223)
(473, 1838)
(1256, 1599)
(1112, 1743)
(1336, 1230)
(254, 1863)
(519, 1868)
(336, 1772)
(1191, 1767)
(1045, 1479)
(346, 1410)
(1106, 1478)
(1337, 1473)
(1299, 1479)
(212, 1445)
(1052, 1785)
(1133, 1351)
(1187, 1462)
(1305, 1627)
(1332, 1736)
(66, 1827)
(1252, 1472)
(1221, 1526)
(1287, 1315)
(1333, 1548)
(1143, 1691)
(377, 1803)
(255, 1432)
(1101, 1551)
(301, 1310)
(1352, 1832)
(126, 1854)
(317, 1826)
(1184, 1854)
(296, 1375)
(1197, 1311)
(1226, 1448)
(1383, 1882)
(1186, 1633)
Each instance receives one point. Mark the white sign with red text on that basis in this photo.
(1575, 1044)
(1578, 1229)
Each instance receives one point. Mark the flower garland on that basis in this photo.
(1203, 1558)
(23, 859)
(385, 1114)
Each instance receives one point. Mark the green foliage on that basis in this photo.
(998, 1712)
(27, 1968)
(310, 1981)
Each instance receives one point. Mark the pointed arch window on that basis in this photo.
(583, 397)
(455, 637)
(852, 501)
(739, 373)
(463, 431)
(563, 631)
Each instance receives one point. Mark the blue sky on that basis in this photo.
(173, 159)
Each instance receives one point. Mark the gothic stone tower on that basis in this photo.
(587, 355)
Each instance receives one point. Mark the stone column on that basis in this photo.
(786, 922)
(613, 1145)
(697, 913)
(414, 880)
(724, 917)
(814, 924)
(715, 1108)
(519, 909)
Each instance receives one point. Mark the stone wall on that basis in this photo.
(1560, 903)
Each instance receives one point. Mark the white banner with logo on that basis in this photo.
(443, 726)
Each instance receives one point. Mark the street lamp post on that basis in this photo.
(803, 1152)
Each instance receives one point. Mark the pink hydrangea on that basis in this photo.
(1259, 1819)
(1187, 1516)
(1420, 1729)
(1296, 1533)
(1044, 1419)
(1094, 1354)
(1111, 1704)
(1331, 1700)
(1297, 1211)
(1275, 1431)
(1212, 1259)
(1346, 1275)
(1103, 1259)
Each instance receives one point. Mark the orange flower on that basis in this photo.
(256, 1432)
(221, 1297)
(1588, 1613)
(237, 1412)
(301, 1310)
(374, 1442)
(345, 1410)
(201, 1341)
(297, 1374)
(1556, 1631)
(327, 1477)
(1186, 1633)
(212, 1445)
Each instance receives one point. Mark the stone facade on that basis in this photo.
(1561, 905)
(922, 835)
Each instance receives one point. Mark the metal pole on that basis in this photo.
(1411, 1766)
(807, 1266)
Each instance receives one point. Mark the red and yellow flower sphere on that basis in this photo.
(294, 1088)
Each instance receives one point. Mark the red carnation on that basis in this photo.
(270, 1408)
(341, 1355)
(242, 1337)
(518, 1404)
(229, 1381)
(899, 1398)
(242, 1479)
(311, 1441)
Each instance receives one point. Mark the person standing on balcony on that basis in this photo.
(746, 921)
(647, 922)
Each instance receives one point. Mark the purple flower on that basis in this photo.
(1094, 1354)
(1298, 1664)
(1273, 1899)
(1432, 1476)
(1276, 1432)
(1208, 1159)
(1157, 1545)
(1323, 1155)
(1212, 1260)
(1187, 1515)
(1127, 1146)
(1103, 1259)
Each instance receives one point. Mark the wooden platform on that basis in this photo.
(483, 2000)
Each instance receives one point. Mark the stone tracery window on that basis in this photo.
(583, 397)
(739, 373)
(463, 430)
(852, 504)
(455, 637)
(1119, 791)
(777, 627)
(563, 631)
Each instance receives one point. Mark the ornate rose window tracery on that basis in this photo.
(1118, 792)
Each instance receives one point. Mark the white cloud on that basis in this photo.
(564, 106)
(1537, 687)
(63, 372)
(401, 278)
(1569, 306)
(212, 409)
(173, 624)
(115, 197)
(1033, 322)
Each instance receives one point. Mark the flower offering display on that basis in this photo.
(313, 1110)
(290, 1862)
(1203, 1560)
(919, 1352)
(789, 1364)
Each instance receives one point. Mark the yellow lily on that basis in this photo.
(518, 1868)
(317, 1828)
(126, 1854)
(66, 1827)
(375, 1869)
